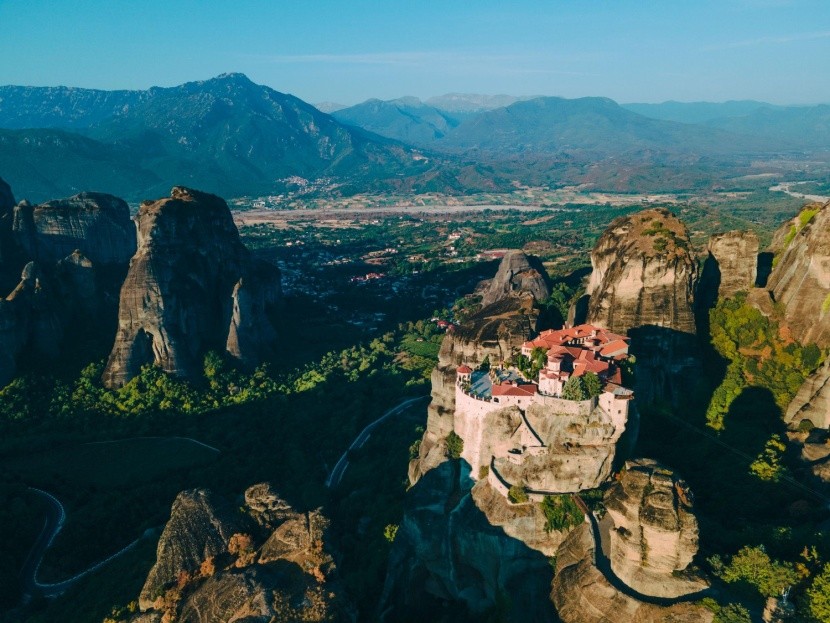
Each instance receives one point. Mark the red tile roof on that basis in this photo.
(462, 369)
(521, 391)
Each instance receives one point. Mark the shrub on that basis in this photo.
(455, 445)
(806, 425)
(390, 532)
(517, 494)
(561, 512)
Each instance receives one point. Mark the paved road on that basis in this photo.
(55, 518)
(336, 474)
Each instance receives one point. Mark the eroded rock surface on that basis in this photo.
(192, 287)
(644, 274)
(732, 264)
(582, 594)
(447, 550)
(812, 402)
(800, 280)
(518, 275)
(654, 536)
(218, 562)
(97, 224)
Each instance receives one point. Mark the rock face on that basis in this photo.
(580, 450)
(96, 223)
(644, 274)
(6, 220)
(447, 550)
(800, 280)
(654, 535)
(496, 331)
(192, 287)
(216, 564)
(812, 402)
(582, 594)
(518, 275)
(643, 283)
(732, 264)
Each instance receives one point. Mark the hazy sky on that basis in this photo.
(347, 51)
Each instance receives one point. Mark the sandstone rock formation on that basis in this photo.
(6, 220)
(654, 536)
(644, 274)
(800, 280)
(97, 224)
(496, 331)
(643, 283)
(732, 263)
(447, 550)
(518, 275)
(192, 287)
(216, 564)
(812, 402)
(582, 594)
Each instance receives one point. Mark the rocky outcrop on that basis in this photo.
(643, 284)
(497, 331)
(812, 402)
(654, 535)
(263, 561)
(192, 287)
(582, 594)
(447, 550)
(800, 279)
(518, 275)
(644, 274)
(580, 446)
(732, 264)
(97, 224)
(7, 245)
(200, 527)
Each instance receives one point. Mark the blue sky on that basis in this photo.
(629, 50)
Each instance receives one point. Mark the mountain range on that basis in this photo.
(233, 137)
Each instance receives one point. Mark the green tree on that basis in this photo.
(517, 494)
(818, 595)
(455, 445)
(754, 566)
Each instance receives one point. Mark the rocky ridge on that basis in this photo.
(263, 561)
(192, 287)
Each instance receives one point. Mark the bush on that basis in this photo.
(517, 494)
(455, 445)
(806, 425)
(561, 512)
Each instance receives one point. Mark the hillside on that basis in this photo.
(226, 135)
(697, 112)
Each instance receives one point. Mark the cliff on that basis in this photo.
(731, 265)
(496, 331)
(97, 224)
(812, 402)
(582, 594)
(6, 219)
(644, 274)
(447, 549)
(800, 279)
(192, 287)
(655, 534)
(218, 563)
(518, 275)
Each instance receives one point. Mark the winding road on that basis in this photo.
(336, 474)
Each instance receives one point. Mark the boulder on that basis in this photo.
(812, 402)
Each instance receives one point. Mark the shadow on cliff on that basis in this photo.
(449, 564)
(730, 499)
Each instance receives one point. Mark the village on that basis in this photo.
(573, 374)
